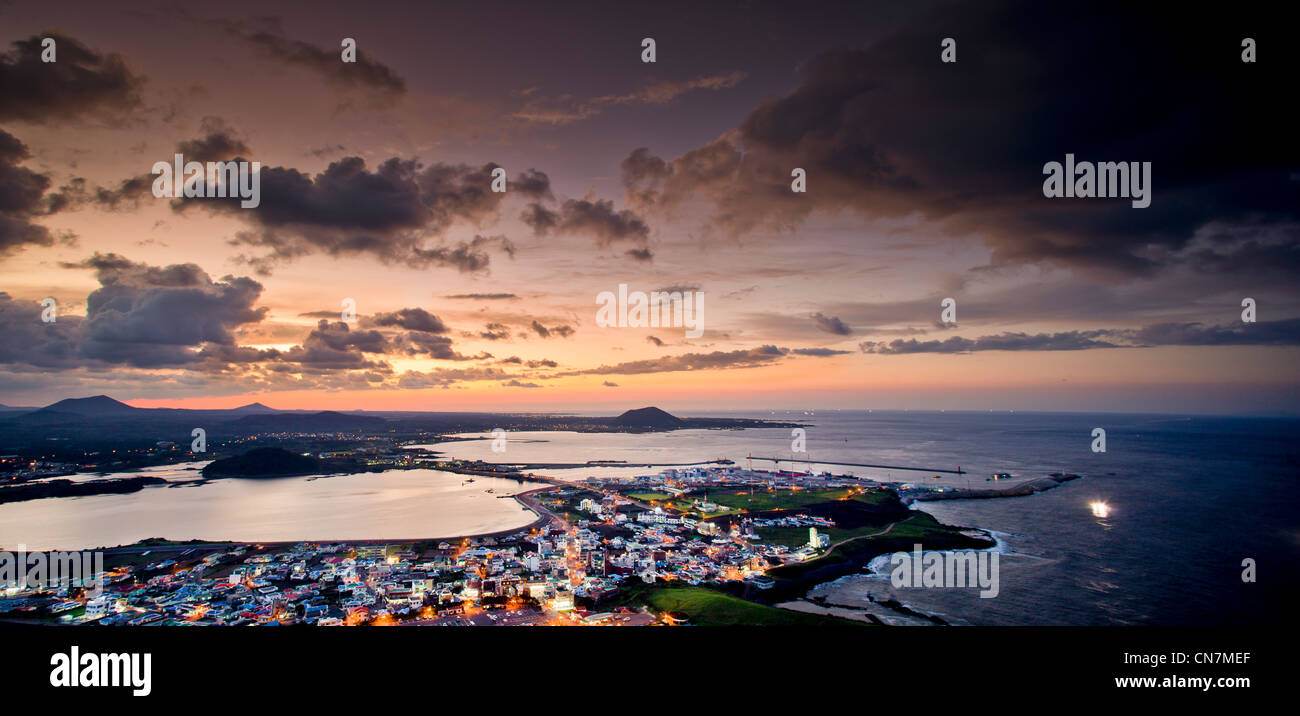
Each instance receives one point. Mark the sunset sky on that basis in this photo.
(924, 181)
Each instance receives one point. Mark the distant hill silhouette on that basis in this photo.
(97, 405)
(327, 421)
(651, 417)
(262, 462)
(253, 409)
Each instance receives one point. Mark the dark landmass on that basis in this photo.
(100, 422)
(99, 405)
(648, 418)
(263, 462)
(68, 488)
(327, 421)
(1021, 490)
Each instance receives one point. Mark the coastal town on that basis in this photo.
(685, 545)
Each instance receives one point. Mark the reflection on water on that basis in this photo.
(396, 504)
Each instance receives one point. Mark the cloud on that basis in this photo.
(445, 377)
(561, 331)
(23, 199)
(888, 131)
(81, 84)
(565, 109)
(1065, 341)
(388, 213)
(818, 352)
(1264, 333)
(610, 384)
(517, 384)
(218, 143)
(141, 316)
(177, 317)
(484, 296)
(415, 343)
(494, 332)
(831, 324)
(1274, 333)
(366, 73)
(716, 360)
(413, 319)
(596, 219)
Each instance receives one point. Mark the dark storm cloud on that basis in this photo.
(1065, 341)
(560, 331)
(716, 360)
(28, 341)
(23, 199)
(1273, 333)
(366, 72)
(349, 210)
(81, 84)
(831, 324)
(415, 343)
(597, 219)
(412, 319)
(337, 335)
(143, 316)
(484, 296)
(495, 332)
(818, 352)
(218, 143)
(148, 315)
(1264, 333)
(334, 346)
(892, 131)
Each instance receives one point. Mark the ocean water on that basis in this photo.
(394, 504)
(1190, 498)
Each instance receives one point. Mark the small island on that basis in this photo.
(263, 462)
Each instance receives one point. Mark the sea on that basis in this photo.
(1200, 524)
(1188, 500)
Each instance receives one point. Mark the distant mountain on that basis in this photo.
(98, 405)
(652, 418)
(327, 421)
(253, 409)
(262, 462)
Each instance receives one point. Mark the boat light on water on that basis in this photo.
(1100, 509)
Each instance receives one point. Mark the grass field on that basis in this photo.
(649, 496)
(763, 500)
(708, 607)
